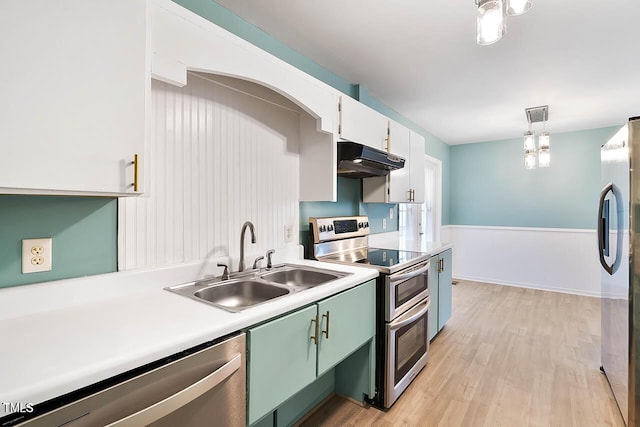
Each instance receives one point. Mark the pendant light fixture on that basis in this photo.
(518, 7)
(491, 21)
(529, 150)
(492, 18)
(536, 115)
(544, 155)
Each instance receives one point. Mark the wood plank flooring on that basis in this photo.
(507, 357)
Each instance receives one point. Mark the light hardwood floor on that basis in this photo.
(507, 357)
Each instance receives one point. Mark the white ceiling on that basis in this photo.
(420, 57)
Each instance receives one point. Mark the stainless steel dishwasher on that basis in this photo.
(206, 388)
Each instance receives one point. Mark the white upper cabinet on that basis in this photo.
(416, 167)
(399, 180)
(359, 123)
(74, 84)
(405, 185)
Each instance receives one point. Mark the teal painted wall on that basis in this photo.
(83, 229)
(490, 186)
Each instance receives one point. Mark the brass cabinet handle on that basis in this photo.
(135, 172)
(314, 337)
(326, 332)
(388, 138)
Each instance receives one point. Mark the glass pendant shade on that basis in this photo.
(530, 160)
(518, 7)
(529, 151)
(544, 155)
(491, 22)
(529, 142)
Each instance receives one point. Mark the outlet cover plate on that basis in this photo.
(36, 255)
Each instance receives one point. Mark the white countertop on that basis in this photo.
(394, 240)
(64, 335)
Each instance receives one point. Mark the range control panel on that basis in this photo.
(336, 228)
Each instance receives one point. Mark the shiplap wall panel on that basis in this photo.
(217, 157)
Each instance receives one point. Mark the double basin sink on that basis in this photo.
(246, 290)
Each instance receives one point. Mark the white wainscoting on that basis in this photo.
(216, 158)
(555, 259)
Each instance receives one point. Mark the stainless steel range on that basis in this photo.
(402, 343)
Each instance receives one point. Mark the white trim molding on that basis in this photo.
(553, 259)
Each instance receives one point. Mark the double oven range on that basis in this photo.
(402, 301)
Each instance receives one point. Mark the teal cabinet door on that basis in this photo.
(444, 289)
(433, 296)
(282, 360)
(347, 321)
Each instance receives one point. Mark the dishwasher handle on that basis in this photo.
(166, 406)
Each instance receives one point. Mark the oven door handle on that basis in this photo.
(411, 315)
(403, 277)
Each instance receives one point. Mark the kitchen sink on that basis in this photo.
(301, 277)
(240, 295)
(232, 295)
(248, 289)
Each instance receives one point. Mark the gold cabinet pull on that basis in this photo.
(135, 172)
(388, 138)
(314, 337)
(326, 332)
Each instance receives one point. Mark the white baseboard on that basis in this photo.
(559, 260)
(530, 286)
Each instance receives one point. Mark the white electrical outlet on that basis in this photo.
(384, 223)
(390, 213)
(288, 233)
(36, 255)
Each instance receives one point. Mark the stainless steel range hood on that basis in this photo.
(361, 161)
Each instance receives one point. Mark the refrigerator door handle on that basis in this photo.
(603, 229)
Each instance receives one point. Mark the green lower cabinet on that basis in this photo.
(284, 358)
(444, 283)
(433, 297)
(282, 361)
(347, 321)
(440, 291)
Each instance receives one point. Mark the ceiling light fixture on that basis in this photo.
(518, 7)
(492, 18)
(536, 115)
(491, 22)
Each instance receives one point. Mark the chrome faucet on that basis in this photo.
(253, 240)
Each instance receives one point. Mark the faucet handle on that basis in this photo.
(269, 253)
(225, 273)
(256, 261)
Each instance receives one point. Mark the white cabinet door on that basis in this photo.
(416, 170)
(73, 82)
(359, 123)
(399, 180)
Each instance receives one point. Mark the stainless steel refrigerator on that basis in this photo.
(619, 252)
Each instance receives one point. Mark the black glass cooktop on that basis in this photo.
(388, 257)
